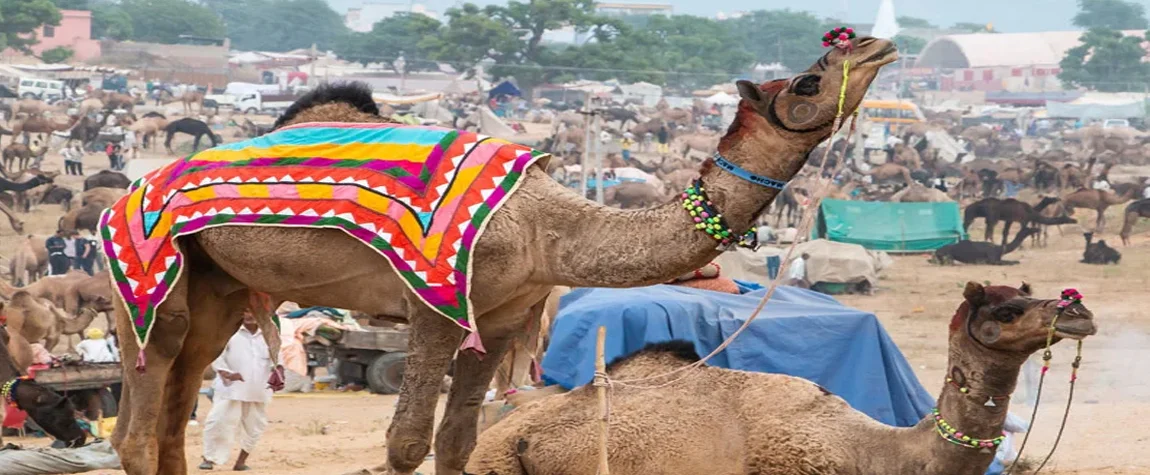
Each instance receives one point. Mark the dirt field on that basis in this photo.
(335, 433)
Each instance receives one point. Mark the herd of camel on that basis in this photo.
(736, 422)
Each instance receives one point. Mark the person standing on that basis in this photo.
(662, 136)
(57, 261)
(626, 144)
(70, 249)
(85, 254)
(70, 160)
(241, 397)
(797, 273)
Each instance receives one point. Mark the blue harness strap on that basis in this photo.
(746, 175)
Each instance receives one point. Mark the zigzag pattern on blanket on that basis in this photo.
(419, 196)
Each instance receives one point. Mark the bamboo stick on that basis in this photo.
(601, 388)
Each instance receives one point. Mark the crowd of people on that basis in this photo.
(69, 250)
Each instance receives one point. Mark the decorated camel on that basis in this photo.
(52, 412)
(785, 425)
(1097, 200)
(197, 262)
(1135, 210)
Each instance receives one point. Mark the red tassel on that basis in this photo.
(141, 362)
(474, 344)
(276, 380)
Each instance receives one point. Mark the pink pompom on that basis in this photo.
(825, 44)
(850, 30)
(844, 37)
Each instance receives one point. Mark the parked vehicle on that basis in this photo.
(260, 103)
(44, 89)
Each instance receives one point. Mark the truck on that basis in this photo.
(260, 103)
(374, 356)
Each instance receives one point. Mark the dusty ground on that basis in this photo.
(339, 432)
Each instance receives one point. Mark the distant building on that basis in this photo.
(363, 18)
(74, 32)
(1023, 62)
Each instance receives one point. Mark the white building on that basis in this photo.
(367, 15)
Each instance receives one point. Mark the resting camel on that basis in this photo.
(107, 179)
(543, 226)
(52, 412)
(1011, 211)
(979, 252)
(886, 173)
(1135, 210)
(38, 319)
(1097, 200)
(759, 423)
(1099, 252)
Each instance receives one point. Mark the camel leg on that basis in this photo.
(432, 344)
(1100, 224)
(1006, 231)
(990, 230)
(213, 320)
(456, 436)
(136, 436)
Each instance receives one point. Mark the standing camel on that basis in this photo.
(39, 125)
(1011, 211)
(725, 422)
(193, 127)
(543, 227)
(1135, 210)
(1097, 200)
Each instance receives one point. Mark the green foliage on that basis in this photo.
(410, 35)
(471, 35)
(111, 21)
(163, 21)
(58, 54)
(1107, 61)
(71, 4)
(782, 36)
(1111, 14)
(20, 18)
(909, 44)
(279, 25)
(912, 22)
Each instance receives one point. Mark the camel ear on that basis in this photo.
(974, 293)
(1025, 289)
(749, 91)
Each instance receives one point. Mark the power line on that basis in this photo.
(537, 67)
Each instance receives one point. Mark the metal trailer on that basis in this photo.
(373, 356)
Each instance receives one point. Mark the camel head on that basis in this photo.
(1008, 320)
(801, 110)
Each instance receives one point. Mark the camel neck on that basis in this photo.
(921, 449)
(598, 246)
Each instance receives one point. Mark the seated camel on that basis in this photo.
(724, 422)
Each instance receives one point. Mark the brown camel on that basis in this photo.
(101, 196)
(632, 195)
(114, 100)
(148, 128)
(73, 292)
(35, 107)
(17, 223)
(756, 423)
(39, 125)
(1010, 211)
(1135, 210)
(1097, 200)
(38, 319)
(187, 99)
(30, 261)
(84, 217)
(107, 179)
(916, 193)
(24, 183)
(886, 173)
(52, 412)
(543, 227)
(703, 143)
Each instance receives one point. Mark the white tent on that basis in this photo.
(722, 99)
(885, 22)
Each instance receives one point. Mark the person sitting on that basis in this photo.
(96, 349)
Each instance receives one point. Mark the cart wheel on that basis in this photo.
(385, 374)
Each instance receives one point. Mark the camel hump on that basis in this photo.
(658, 356)
(356, 94)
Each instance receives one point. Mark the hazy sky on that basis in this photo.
(1007, 15)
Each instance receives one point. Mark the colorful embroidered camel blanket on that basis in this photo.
(420, 196)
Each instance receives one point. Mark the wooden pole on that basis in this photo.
(601, 388)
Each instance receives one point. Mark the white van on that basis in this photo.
(40, 89)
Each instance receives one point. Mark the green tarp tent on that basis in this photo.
(891, 227)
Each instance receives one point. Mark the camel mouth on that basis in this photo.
(1075, 329)
(883, 57)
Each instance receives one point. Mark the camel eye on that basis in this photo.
(807, 85)
(1006, 314)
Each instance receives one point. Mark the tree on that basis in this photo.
(111, 21)
(19, 20)
(58, 54)
(913, 22)
(71, 4)
(1107, 61)
(1111, 14)
(279, 25)
(781, 36)
(909, 44)
(163, 21)
(407, 34)
(470, 36)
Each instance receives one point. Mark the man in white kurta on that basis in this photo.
(241, 397)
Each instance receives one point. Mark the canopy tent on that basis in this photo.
(891, 227)
(722, 99)
(1098, 106)
(830, 262)
(504, 88)
(800, 333)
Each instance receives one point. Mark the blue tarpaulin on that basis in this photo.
(800, 333)
(504, 88)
